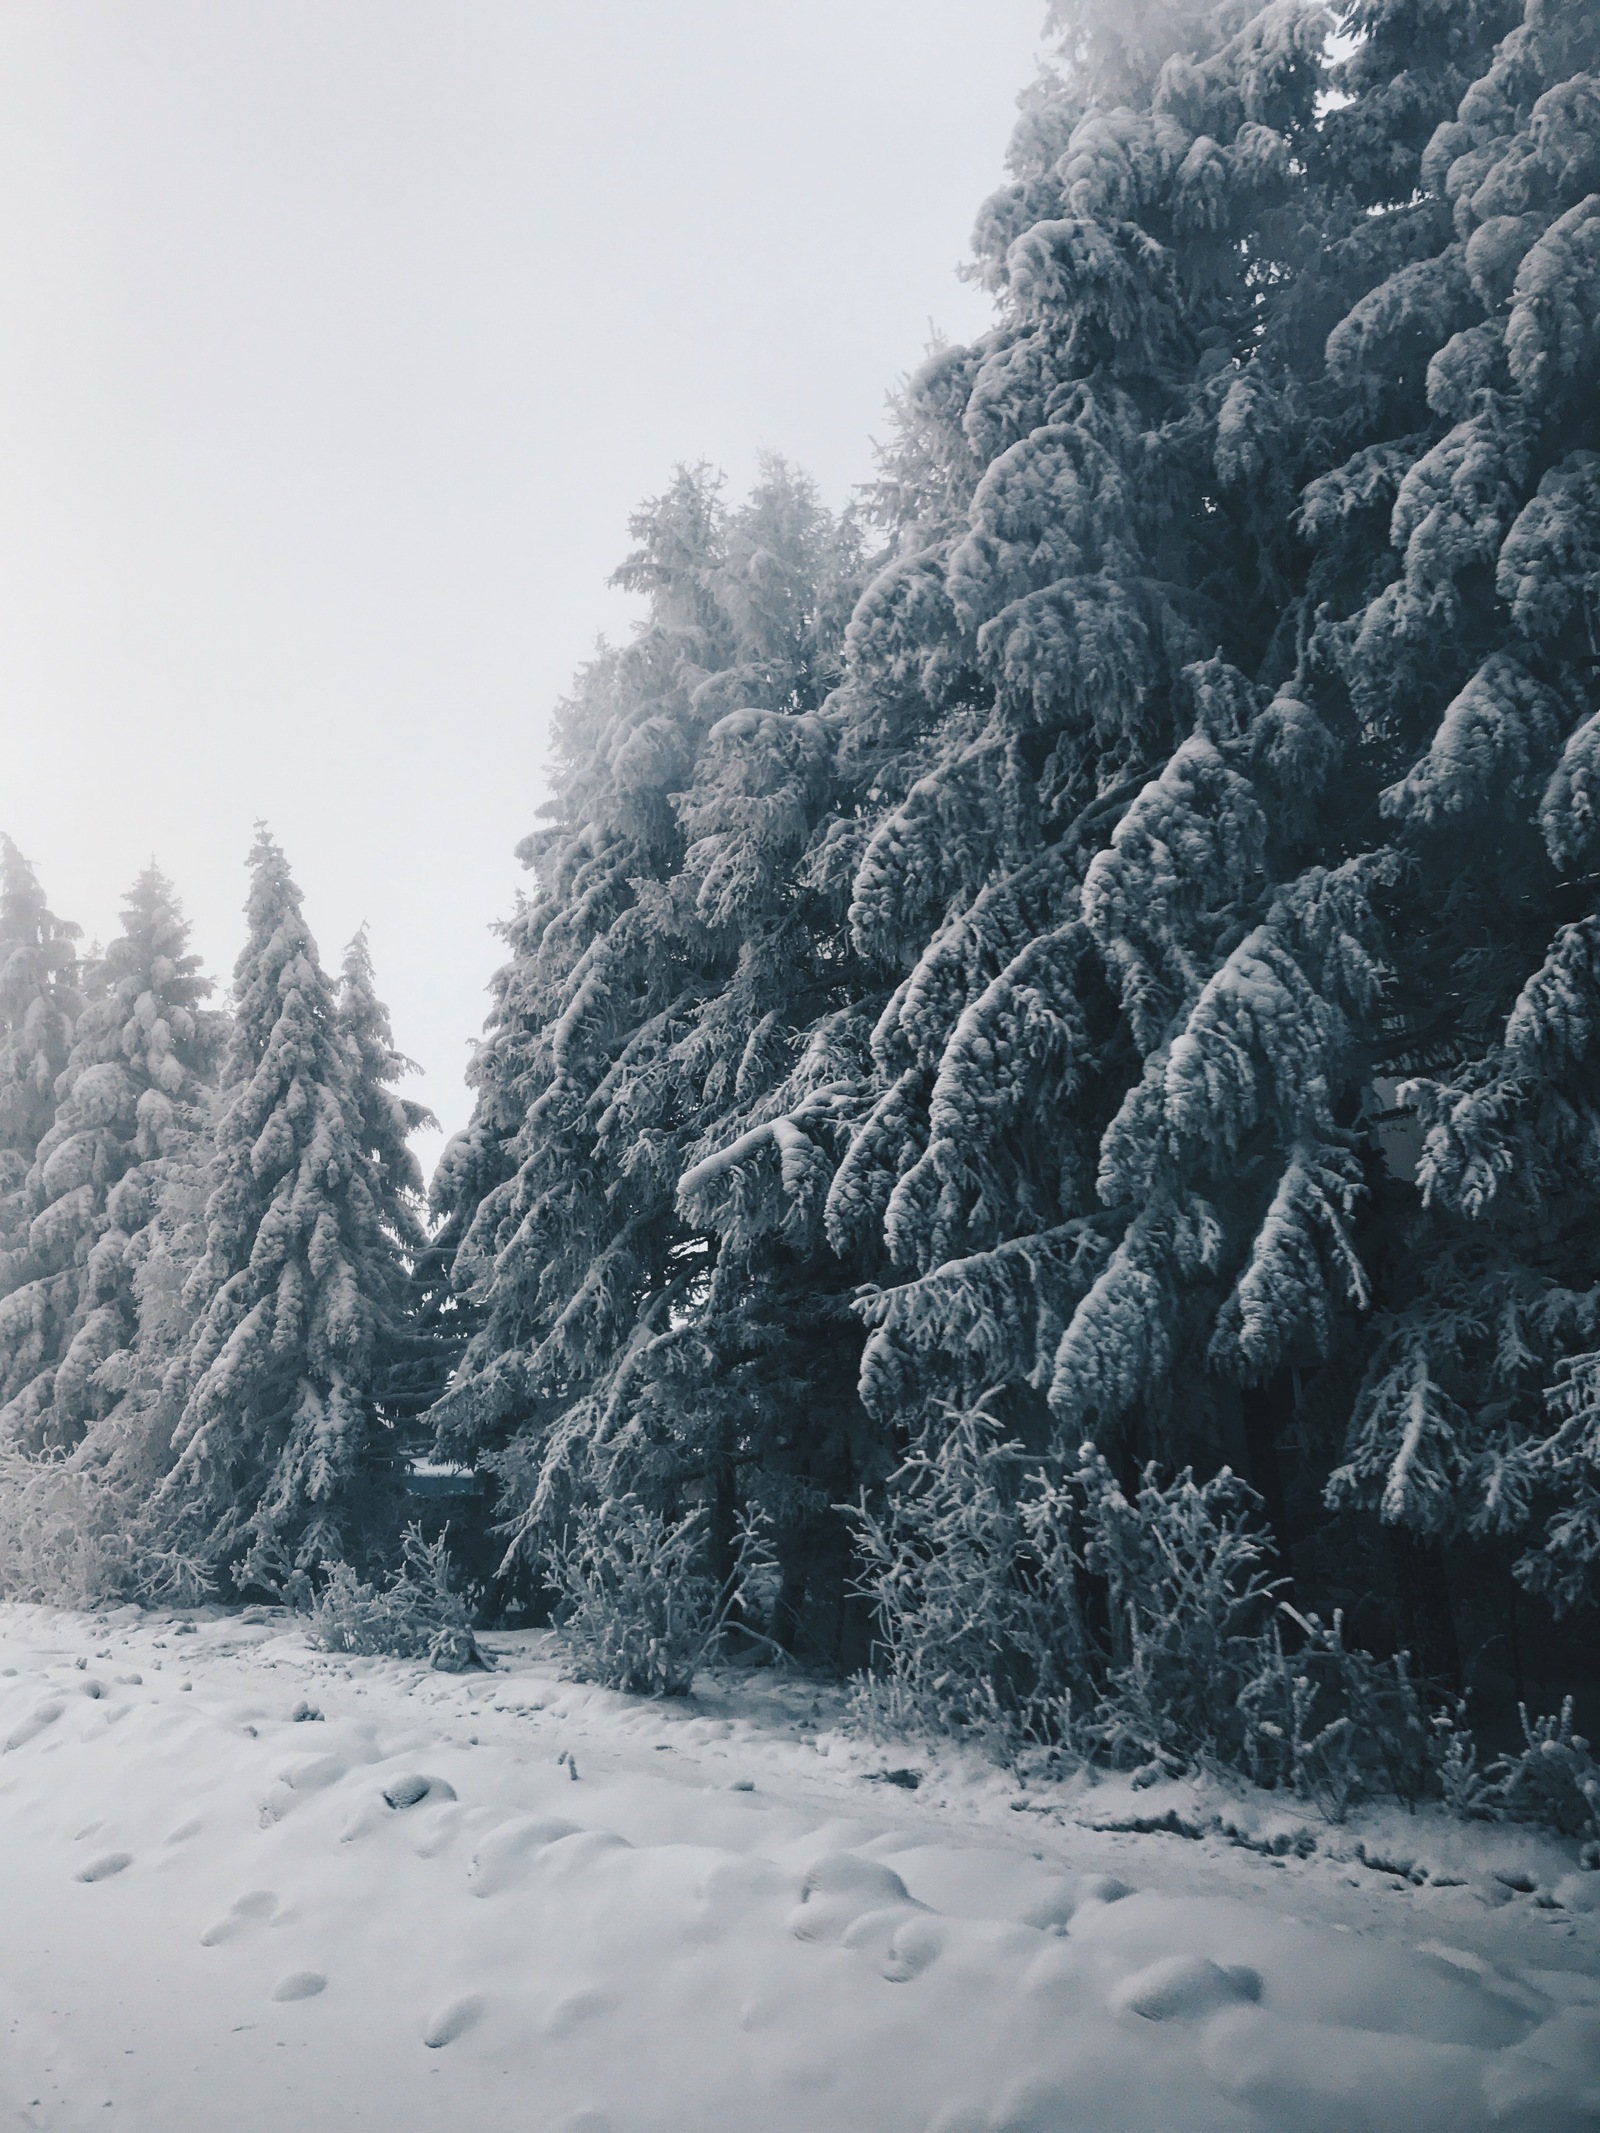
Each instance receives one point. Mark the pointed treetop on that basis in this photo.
(154, 944)
(279, 957)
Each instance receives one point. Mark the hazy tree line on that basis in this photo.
(1084, 968)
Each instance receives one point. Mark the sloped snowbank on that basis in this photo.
(243, 1885)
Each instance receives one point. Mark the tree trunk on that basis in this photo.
(794, 1571)
(724, 1518)
(1263, 1412)
(1426, 1623)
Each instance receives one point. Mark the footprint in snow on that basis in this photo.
(454, 2021)
(1101, 1888)
(42, 1715)
(104, 1867)
(300, 1985)
(1051, 1906)
(250, 1910)
(901, 1940)
(576, 2010)
(917, 1942)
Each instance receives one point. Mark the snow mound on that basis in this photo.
(412, 1789)
(502, 1855)
(1181, 1987)
(300, 1985)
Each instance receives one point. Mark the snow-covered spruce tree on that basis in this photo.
(680, 980)
(120, 1175)
(1082, 816)
(413, 1346)
(130, 1102)
(39, 1005)
(1161, 920)
(1469, 659)
(284, 1462)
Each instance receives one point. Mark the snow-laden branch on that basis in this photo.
(784, 1133)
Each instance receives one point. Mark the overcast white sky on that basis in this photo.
(338, 338)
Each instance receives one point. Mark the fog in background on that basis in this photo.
(339, 341)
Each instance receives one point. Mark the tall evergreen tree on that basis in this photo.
(284, 1462)
(678, 984)
(130, 1099)
(415, 1347)
(1309, 386)
(1066, 828)
(1468, 655)
(39, 1005)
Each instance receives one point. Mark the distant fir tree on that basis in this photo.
(679, 987)
(131, 1105)
(415, 1347)
(39, 1006)
(284, 1462)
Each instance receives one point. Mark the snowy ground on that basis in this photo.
(247, 1887)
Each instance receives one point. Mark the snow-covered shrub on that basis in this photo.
(1333, 1723)
(1188, 1604)
(639, 1606)
(1033, 1612)
(417, 1614)
(977, 1619)
(1554, 1781)
(1064, 1615)
(69, 1539)
(1462, 1784)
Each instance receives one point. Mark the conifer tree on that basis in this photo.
(387, 1121)
(131, 1100)
(39, 1004)
(415, 1347)
(1309, 387)
(678, 982)
(284, 1462)
(1472, 663)
(1075, 815)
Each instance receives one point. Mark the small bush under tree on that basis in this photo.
(417, 1614)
